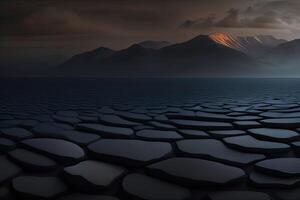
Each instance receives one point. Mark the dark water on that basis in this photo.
(98, 92)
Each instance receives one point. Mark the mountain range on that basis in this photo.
(213, 54)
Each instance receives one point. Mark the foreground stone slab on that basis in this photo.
(78, 196)
(130, 152)
(238, 195)
(251, 144)
(66, 119)
(115, 120)
(189, 133)
(162, 126)
(134, 116)
(286, 167)
(16, 133)
(38, 187)
(216, 150)
(159, 135)
(78, 137)
(7, 169)
(282, 123)
(289, 194)
(203, 125)
(91, 175)
(32, 161)
(227, 133)
(280, 135)
(144, 187)
(247, 124)
(62, 150)
(5, 194)
(107, 131)
(266, 181)
(6, 145)
(196, 172)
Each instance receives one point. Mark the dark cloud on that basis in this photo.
(263, 15)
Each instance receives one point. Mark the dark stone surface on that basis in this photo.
(130, 152)
(91, 175)
(6, 145)
(32, 161)
(282, 122)
(61, 150)
(203, 125)
(158, 135)
(38, 187)
(148, 188)
(188, 133)
(179, 143)
(286, 167)
(238, 195)
(7, 169)
(280, 135)
(227, 133)
(107, 131)
(196, 172)
(115, 120)
(263, 180)
(216, 150)
(247, 124)
(251, 144)
(16, 133)
(78, 196)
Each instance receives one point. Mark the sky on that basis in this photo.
(47, 32)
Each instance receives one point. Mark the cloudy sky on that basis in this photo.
(46, 32)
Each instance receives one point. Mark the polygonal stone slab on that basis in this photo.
(158, 135)
(162, 126)
(286, 167)
(196, 172)
(251, 144)
(247, 124)
(61, 150)
(227, 133)
(6, 145)
(91, 175)
(202, 125)
(280, 135)
(237, 195)
(16, 133)
(134, 116)
(31, 160)
(78, 137)
(263, 180)
(189, 133)
(38, 187)
(5, 194)
(288, 123)
(67, 113)
(288, 194)
(115, 120)
(213, 117)
(138, 185)
(107, 131)
(216, 150)
(130, 152)
(65, 119)
(7, 169)
(78, 196)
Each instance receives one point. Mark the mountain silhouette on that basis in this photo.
(217, 53)
(251, 45)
